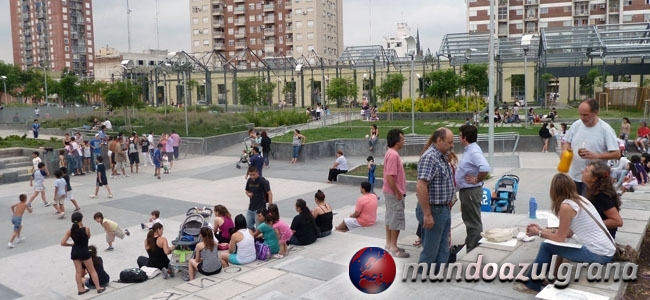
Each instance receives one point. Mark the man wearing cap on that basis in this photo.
(95, 150)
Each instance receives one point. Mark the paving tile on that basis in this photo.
(634, 214)
(169, 294)
(312, 268)
(259, 276)
(224, 290)
(633, 226)
(199, 283)
(282, 287)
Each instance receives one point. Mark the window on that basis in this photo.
(230, 19)
(280, 15)
(251, 18)
(66, 41)
(196, 43)
(310, 48)
(252, 41)
(521, 25)
(519, 12)
(66, 48)
(67, 56)
(65, 17)
(195, 9)
(472, 13)
(65, 9)
(310, 23)
(298, 36)
(206, 42)
(543, 10)
(231, 31)
(251, 29)
(298, 24)
(196, 32)
(310, 36)
(281, 39)
(251, 6)
(195, 20)
(65, 25)
(90, 42)
(231, 42)
(567, 23)
(628, 2)
(87, 5)
(206, 20)
(299, 49)
(298, 11)
(627, 18)
(229, 8)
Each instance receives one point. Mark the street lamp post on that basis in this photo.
(411, 53)
(525, 45)
(468, 56)
(4, 83)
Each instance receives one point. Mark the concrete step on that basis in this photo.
(15, 159)
(14, 175)
(10, 152)
(17, 165)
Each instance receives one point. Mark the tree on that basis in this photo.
(475, 78)
(340, 89)
(587, 82)
(392, 86)
(442, 83)
(69, 89)
(121, 94)
(254, 91)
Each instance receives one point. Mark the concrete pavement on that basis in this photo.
(39, 268)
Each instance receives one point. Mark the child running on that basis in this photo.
(59, 194)
(18, 210)
(101, 178)
(68, 188)
(37, 181)
(282, 229)
(112, 229)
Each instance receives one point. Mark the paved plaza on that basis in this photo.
(39, 268)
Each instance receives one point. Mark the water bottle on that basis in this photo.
(532, 208)
(565, 161)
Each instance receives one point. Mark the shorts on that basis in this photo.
(69, 196)
(16, 220)
(395, 219)
(113, 157)
(134, 158)
(58, 200)
(351, 223)
(233, 259)
(170, 156)
(120, 165)
(110, 235)
(200, 269)
(39, 188)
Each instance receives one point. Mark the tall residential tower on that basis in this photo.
(53, 35)
(268, 27)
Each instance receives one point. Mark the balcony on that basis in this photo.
(288, 41)
(240, 10)
(613, 10)
(289, 29)
(217, 23)
(581, 13)
(287, 18)
(531, 17)
(269, 42)
(217, 11)
(239, 1)
(240, 45)
(218, 34)
(531, 2)
(240, 22)
(287, 5)
(240, 34)
(268, 20)
(218, 2)
(503, 2)
(269, 32)
(219, 46)
(268, 7)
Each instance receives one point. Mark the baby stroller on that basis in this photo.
(505, 194)
(188, 237)
(246, 153)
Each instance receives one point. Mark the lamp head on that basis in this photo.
(3, 77)
(525, 41)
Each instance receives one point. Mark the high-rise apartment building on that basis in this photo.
(53, 34)
(517, 17)
(268, 27)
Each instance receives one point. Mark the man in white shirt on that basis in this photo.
(108, 124)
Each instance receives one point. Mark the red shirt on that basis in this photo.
(643, 131)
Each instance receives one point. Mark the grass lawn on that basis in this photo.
(410, 169)
(25, 142)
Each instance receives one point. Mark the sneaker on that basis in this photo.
(126, 231)
(57, 213)
(164, 273)
(142, 226)
(72, 174)
(77, 209)
(46, 204)
(20, 239)
(109, 249)
(11, 245)
(93, 196)
(30, 205)
(112, 177)
(278, 256)
(62, 216)
(110, 196)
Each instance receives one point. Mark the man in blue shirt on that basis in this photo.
(95, 150)
(435, 190)
(473, 168)
(257, 160)
(35, 128)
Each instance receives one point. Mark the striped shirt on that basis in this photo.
(434, 168)
(586, 232)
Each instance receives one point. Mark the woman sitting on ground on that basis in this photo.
(222, 224)
(104, 278)
(206, 259)
(158, 250)
(601, 193)
(242, 245)
(575, 214)
(322, 215)
(303, 225)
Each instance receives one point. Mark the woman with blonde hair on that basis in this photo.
(577, 220)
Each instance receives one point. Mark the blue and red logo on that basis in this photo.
(372, 270)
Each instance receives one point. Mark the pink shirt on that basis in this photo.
(176, 138)
(393, 166)
(367, 209)
(284, 229)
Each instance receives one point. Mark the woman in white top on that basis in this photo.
(242, 245)
(573, 211)
(340, 166)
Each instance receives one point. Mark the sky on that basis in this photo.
(365, 22)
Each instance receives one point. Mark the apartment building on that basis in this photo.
(517, 17)
(268, 28)
(53, 35)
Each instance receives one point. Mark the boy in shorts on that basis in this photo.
(157, 160)
(37, 181)
(18, 210)
(101, 178)
(112, 229)
(59, 194)
(68, 189)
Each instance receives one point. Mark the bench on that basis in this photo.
(503, 137)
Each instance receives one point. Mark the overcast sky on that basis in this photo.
(365, 22)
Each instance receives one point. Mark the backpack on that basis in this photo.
(262, 250)
(133, 275)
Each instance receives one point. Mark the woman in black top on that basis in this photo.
(79, 253)
(601, 193)
(158, 250)
(303, 226)
(266, 147)
(322, 215)
(546, 135)
(104, 278)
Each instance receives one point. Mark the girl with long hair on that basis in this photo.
(241, 249)
(80, 254)
(322, 214)
(303, 225)
(222, 224)
(104, 278)
(282, 228)
(602, 194)
(206, 259)
(158, 249)
(297, 142)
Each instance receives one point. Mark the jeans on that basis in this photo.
(251, 219)
(266, 155)
(372, 142)
(296, 151)
(470, 206)
(93, 158)
(435, 241)
(546, 252)
(176, 152)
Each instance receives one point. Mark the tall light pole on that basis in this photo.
(525, 45)
(45, 80)
(491, 85)
(411, 53)
(4, 83)
(468, 56)
(128, 24)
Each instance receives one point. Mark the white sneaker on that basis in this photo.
(11, 245)
(20, 239)
(93, 196)
(110, 196)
